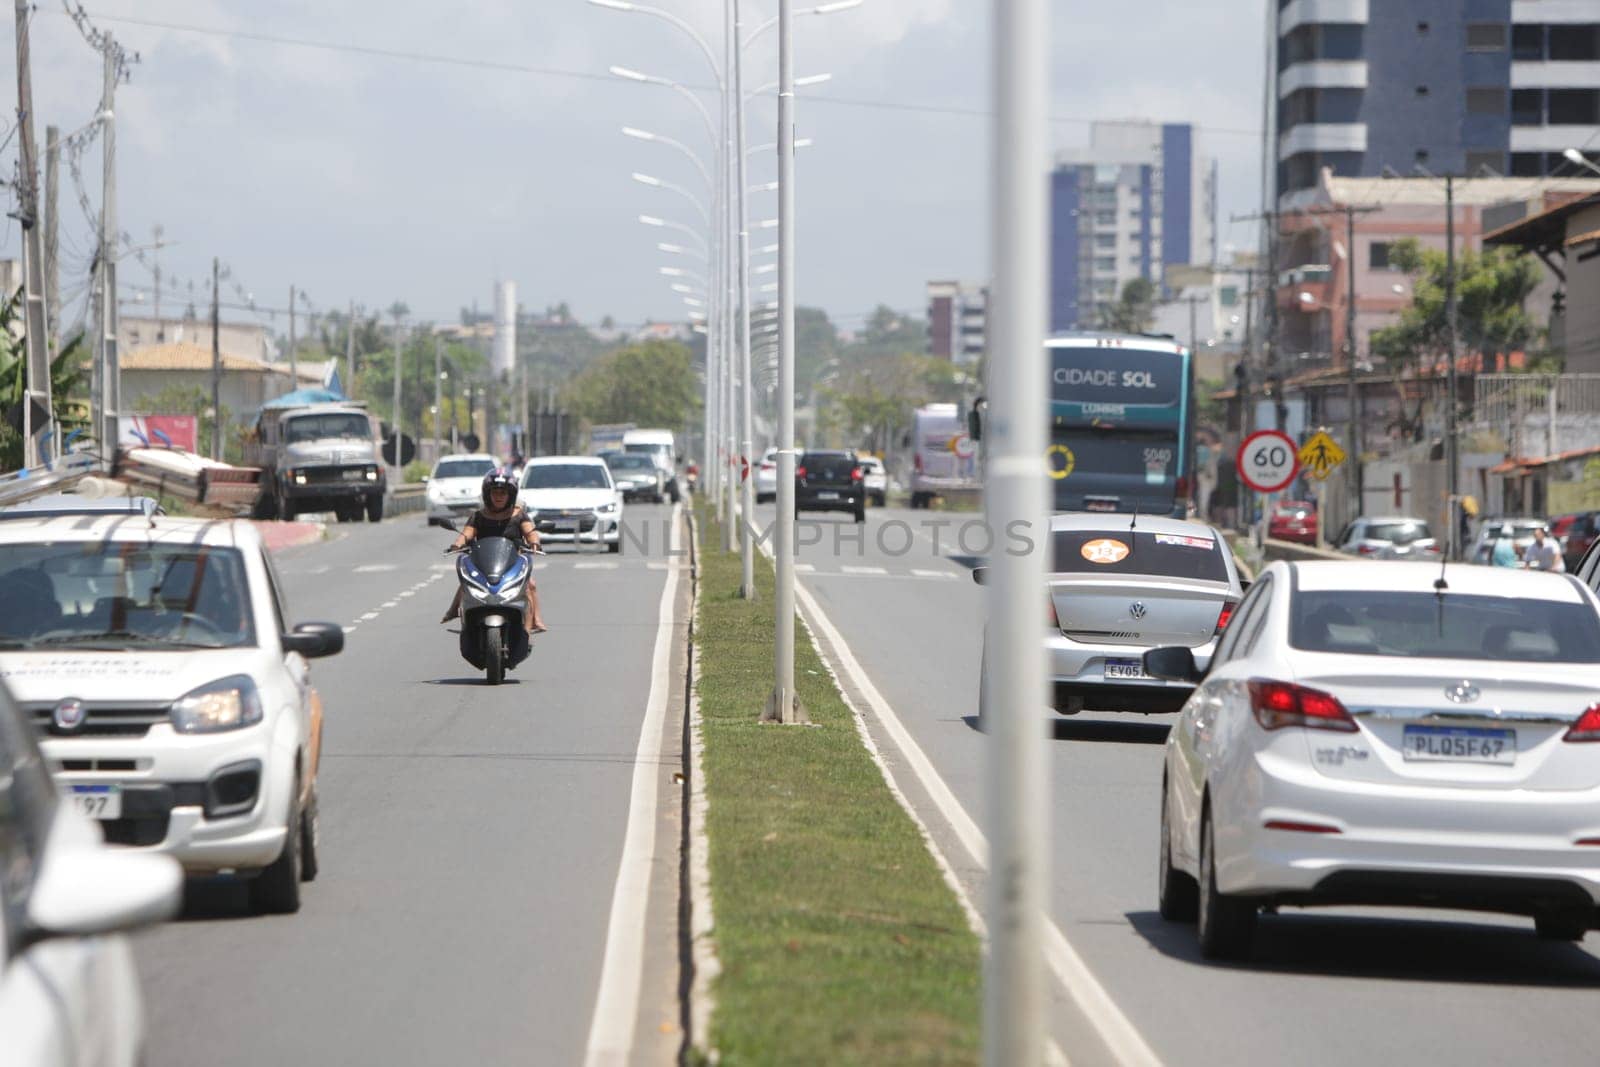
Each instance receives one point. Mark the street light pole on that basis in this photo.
(747, 584)
(727, 288)
(1352, 390)
(1451, 387)
(1014, 681)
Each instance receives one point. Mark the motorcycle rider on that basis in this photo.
(498, 516)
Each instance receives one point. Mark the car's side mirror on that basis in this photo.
(314, 639)
(980, 575)
(85, 890)
(1244, 585)
(1173, 663)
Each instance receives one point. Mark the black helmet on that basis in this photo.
(499, 478)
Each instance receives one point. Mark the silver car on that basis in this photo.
(1489, 532)
(1388, 537)
(1122, 584)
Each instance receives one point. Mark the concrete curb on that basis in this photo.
(281, 535)
(703, 963)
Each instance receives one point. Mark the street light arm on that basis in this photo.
(657, 183)
(668, 16)
(653, 220)
(646, 135)
(820, 9)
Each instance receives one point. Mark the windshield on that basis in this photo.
(630, 462)
(112, 594)
(463, 468)
(319, 427)
(661, 452)
(1398, 533)
(1117, 551)
(1372, 622)
(1122, 470)
(565, 476)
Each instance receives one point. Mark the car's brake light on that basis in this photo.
(1280, 704)
(916, 462)
(1224, 616)
(1367, 550)
(768, 465)
(1181, 490)
(855, 474)
(1587, 728)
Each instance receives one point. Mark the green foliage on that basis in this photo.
(415, 471)
(648, 384)
(870, 403)
(1134, 311)
(68, 376)
(1491, 287)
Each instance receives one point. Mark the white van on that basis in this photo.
(661, 446)
(943, 458)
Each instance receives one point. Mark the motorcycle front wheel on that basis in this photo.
(494, 655)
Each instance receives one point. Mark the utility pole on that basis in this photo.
(1016, 774)
(398, 371)
(111, 56)
(52, 240)
(155, 273)
(350, 352)
(1352, 390)
(294, 362)
(438, 394)
(36, 389)
(216, 359)
(1451, 386)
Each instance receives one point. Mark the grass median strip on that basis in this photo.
(838, 938)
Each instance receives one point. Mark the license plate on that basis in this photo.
(98, 801)
(1460, 744)
(1126, 668)
(827, 496)
(353, 476)
(1091, 504)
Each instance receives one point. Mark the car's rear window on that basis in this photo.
(825, 466)
(1375, 622)
(1398, 533)
(1119, 551)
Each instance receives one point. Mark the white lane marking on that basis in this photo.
(657, 565)
(369, 616)
(390, 603)
(802, 568)
(350, 629)
(595, 566)
(930, 574)
(622, 972)
(1119, 1034)
(319, 570)
(407, 592)
(847, 569)
(443, 567)
(375, 568)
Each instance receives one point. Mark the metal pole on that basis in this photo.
(747, 504)
(38, 367)
(1194, 344)
(294, 360)
(350, 352)
(1451, 457)
(108, 238)
(1353, 392)
(438, 394)
(1014, 1017)
(52, 241)
(725, 221)
(398, 466)
(216, 359)
(784, 704)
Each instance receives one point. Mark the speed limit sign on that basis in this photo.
(1268, 461)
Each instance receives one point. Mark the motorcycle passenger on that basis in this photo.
(499, 517)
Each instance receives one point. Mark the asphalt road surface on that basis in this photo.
(471, 835)
(1334, 986)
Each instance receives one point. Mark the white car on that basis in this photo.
(1388, 734)
(573, 498)
(157, 660)
(875, 479)
(455, 487)
(69, 995)
(767, 476)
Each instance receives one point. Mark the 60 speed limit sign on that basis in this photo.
(1268, 461)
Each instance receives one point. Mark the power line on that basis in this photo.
(559, 72)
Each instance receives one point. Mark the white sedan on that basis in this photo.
(69, 996)
(573, 498)
(455, 486)
(1388, 734)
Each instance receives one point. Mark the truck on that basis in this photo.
(321, 455)
(662, 447)
(943, 456)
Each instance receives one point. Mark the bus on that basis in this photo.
(1121, 424)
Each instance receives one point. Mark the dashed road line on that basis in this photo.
(931, 574)
(847, 569)
(369, 616)
(595, 566)
(375, 568)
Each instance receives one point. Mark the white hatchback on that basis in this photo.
(455, 487)
(1388, 734)
(172, 697)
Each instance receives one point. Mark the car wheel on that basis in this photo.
(615, 547)
(276, 890)
(1179, 893)
(375, 508)
(1226, 924)
(1561, 927)
(861, 512)
(494, 656)
(286, 509)
(882, 500)
(310, 835)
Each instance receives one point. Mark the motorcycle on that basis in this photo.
(691, 477)
(494, 573)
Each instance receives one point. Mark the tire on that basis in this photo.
(310, 838)
(286, 509)
(881, 499)
(861, 512)
(1226, 924)
(615, 548)
(1561, 927)
(375, 507)
(494, 656)
(276, 890)
(673, 492)
(1179, 894)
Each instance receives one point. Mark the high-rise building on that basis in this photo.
(957, 321)
(1464, 87)
(1138, 199)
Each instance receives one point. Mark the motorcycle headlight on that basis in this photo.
(227, 704)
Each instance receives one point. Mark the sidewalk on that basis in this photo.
(281, 535)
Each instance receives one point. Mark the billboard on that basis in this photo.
(159, 431)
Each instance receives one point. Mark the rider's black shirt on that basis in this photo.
(511, 526)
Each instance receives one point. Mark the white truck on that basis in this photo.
(944, 457)
(318, 457)
(661, 446)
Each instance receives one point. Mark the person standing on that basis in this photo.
(1544, 554)
(1504, 553)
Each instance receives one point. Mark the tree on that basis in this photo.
(648, 384)
(1134, 311)
(1491, 287)
(67, 374)
(871, 403)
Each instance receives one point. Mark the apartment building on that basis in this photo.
(958, 321)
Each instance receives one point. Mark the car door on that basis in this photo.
(307, 706)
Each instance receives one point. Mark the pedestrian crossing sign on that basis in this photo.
(1320, 455)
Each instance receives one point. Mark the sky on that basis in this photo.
(374, 178)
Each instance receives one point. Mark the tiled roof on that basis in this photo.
(183, 356)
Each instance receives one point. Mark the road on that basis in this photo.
(471, 836)
(1333, 986)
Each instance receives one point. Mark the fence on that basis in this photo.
(1537, 414)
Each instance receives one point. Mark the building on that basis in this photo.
(249, 340)
(1567, 238)
(1467, 87)
(958, 314)
(1213, 310)
(155, 370)
(1139, 199)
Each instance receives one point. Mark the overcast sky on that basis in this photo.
(364, 177)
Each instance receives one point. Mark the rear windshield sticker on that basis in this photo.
(1184, 540)
(1105, 550)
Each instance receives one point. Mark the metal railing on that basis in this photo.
(63, 474)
